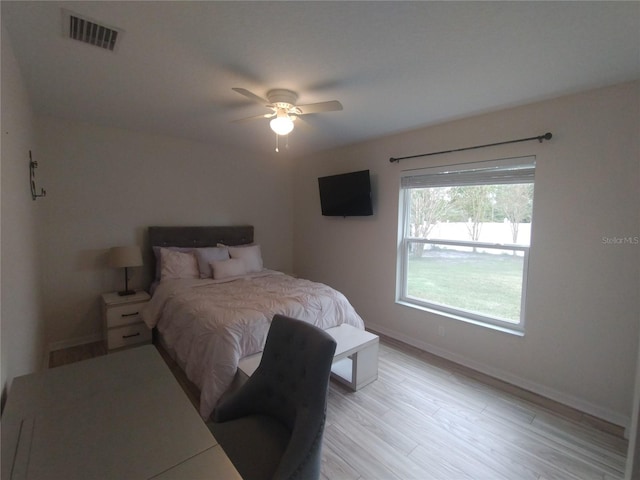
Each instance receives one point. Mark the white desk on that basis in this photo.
(118, 416)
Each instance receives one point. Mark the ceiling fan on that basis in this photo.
(284, 110)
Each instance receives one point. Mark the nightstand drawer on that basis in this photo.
(128, 335)
(124, 314)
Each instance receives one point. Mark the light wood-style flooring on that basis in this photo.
(427, 418)
(57, 358)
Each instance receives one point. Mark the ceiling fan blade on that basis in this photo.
(250, 95)
(255, 117)
(330, 106)
(300, 122)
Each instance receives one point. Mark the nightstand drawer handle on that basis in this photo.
(132, 335)
(130, 314)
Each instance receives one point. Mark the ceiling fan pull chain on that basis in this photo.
(277, 150)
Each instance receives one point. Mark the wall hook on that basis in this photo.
(32, 179)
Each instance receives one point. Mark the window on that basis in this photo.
(465, 232)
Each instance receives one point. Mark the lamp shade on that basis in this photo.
(282, 124)
(120, 257)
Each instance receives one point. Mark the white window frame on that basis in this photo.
(503, 171)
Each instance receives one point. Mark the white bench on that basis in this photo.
(355, 362)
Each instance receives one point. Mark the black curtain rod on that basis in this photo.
(546, 136)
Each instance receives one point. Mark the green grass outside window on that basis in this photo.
(483, 283)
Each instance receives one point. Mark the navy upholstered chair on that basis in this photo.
(272, 427)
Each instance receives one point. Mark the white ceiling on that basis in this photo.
(393, 65)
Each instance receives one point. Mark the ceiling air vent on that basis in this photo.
(88, 31)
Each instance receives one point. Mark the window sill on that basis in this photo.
(511, 331)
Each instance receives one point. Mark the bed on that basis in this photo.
(210, 313)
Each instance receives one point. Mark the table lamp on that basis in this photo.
(125, 257)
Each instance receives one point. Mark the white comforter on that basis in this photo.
(210, 324)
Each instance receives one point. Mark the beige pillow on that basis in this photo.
(250, 255)
(228, 268)
(178, 265)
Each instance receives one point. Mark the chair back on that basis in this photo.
(284, 403)
(296, 365)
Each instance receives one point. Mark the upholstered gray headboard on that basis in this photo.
(198, 237)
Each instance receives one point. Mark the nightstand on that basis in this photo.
(122, 320)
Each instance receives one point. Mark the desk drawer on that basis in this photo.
(134, 334)
(124, 314)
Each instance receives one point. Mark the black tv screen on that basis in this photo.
(346, 195)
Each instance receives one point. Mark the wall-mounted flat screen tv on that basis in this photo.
(346, 195)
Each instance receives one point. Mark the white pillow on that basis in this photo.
(228, 268)
(250, 255)
(206, 255)
(178, 265)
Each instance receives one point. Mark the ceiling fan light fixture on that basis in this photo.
(283, 109)
(282, 124)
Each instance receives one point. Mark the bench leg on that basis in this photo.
(365, 366)
(359, 369)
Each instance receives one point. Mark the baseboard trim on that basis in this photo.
(542, 390)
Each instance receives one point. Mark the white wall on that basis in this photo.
(105, 186)
(21, 325)
(582, 304)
